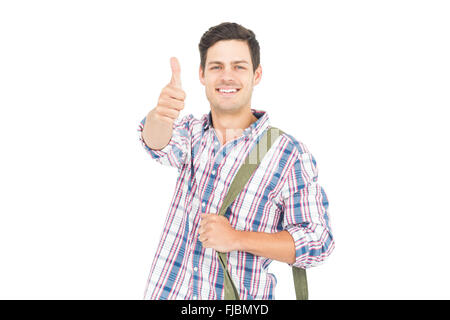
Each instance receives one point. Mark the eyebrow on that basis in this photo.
(232, 62)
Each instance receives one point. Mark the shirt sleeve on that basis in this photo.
(178, 151)
(305, 206)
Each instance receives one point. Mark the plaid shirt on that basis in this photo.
(282, 194)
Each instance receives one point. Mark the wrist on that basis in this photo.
(239, 238)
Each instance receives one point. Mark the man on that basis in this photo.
(281, 214)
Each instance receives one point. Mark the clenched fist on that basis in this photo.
(216, 232)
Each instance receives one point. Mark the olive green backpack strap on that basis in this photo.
(241, 178)
(300, 283)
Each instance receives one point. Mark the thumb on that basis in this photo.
(176, 79)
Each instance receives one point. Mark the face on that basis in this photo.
(228, 76)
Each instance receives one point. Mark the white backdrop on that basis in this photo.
(364, 84)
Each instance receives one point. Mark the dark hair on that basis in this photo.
(228, 31)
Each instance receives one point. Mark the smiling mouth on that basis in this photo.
(227, 92)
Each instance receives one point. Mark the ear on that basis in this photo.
(201, 76)
(257, 75)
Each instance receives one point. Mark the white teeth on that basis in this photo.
(227, 91)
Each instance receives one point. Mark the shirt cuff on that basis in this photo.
(301, 246)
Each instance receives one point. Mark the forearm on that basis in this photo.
(276, 246)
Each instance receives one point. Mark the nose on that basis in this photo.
(227, 75)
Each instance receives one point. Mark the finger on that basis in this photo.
(171, 103)
(202, 238)
(174, 92)
(205, 220)
(176, 70)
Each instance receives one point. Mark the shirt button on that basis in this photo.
(195, 269)
(203, 204)
(213, 172)
(194, 296)
(216, 143)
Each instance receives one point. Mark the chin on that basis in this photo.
(227, 107)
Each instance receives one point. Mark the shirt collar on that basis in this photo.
(255, 129)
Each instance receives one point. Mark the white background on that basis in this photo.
(364, 84)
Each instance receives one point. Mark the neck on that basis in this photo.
(230, 126)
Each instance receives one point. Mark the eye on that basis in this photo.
(241, 67)
(214, 67)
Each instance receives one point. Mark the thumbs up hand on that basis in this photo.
(158, 128)
(171, 99)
